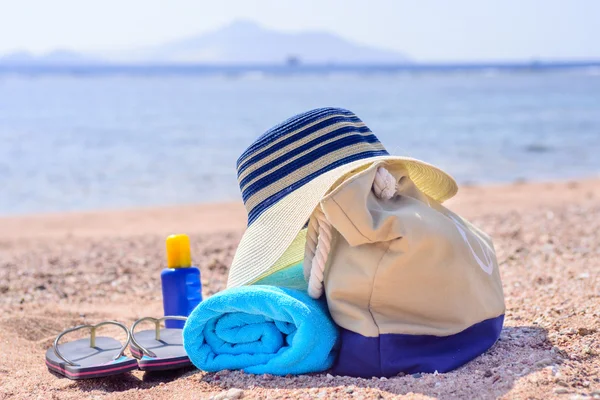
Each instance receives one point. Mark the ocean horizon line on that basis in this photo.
(290, 69)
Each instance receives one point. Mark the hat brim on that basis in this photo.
(269, 236)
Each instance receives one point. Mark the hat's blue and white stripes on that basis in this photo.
(297, 151)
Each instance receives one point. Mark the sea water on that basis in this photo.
(96, 141)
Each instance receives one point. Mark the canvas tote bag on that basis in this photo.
(413, 286)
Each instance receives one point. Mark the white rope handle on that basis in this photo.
(318, 237)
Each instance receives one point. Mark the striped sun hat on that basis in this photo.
(286, 172)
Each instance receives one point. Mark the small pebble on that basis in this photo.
(417, 375)
(231, 394)
(561, 390)
(487, 374)
(585, 331)
(543, 362)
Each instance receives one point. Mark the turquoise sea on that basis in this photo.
(94, 141)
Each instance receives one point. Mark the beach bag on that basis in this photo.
(413, 286)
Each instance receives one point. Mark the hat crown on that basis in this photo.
(298, 150)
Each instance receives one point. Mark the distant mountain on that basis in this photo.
(240, 43)
(56, 57)
(244, 42)
(17, 57)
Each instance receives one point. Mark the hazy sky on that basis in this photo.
(426, 30)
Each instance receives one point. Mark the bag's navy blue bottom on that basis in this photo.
(390, 354)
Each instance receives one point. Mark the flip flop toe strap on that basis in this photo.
(93, 329)
(157, 322)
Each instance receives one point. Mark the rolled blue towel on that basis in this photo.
(261, 330)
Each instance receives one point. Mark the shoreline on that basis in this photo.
(231, 216)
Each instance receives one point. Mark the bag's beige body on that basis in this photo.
(406, 265)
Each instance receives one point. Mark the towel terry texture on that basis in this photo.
(261, 330)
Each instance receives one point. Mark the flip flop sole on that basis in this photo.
(93, 362)
(98, 372)
(146, 363)
(169, 350)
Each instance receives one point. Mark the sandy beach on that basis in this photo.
(61, 270)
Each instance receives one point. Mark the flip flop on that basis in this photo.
(159, 349)
(90, 358)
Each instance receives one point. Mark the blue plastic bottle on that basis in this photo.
(181, 288)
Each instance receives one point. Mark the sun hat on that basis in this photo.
(286, 172)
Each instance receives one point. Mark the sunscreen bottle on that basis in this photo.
(181, 288)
